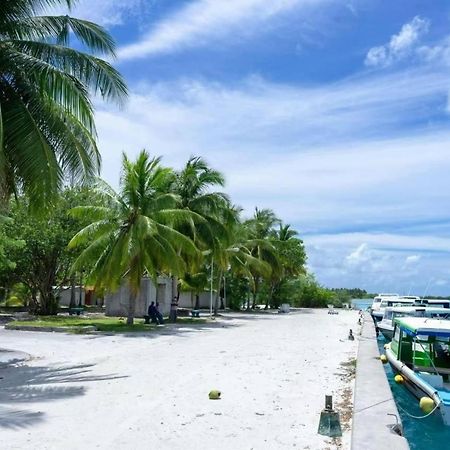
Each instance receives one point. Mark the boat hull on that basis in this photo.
(417, 386)
(386, 332)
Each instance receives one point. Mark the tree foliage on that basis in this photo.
(135, 234)
(47, 128)
(39, 256)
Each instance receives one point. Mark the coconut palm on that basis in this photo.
(291, 255)
(46, 115)
(194, 184)
(236, 252)
(260, 228)
(135, 234)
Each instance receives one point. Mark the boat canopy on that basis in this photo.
(415, 326)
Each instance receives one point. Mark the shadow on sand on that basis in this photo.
(228, 320)
(28, 384)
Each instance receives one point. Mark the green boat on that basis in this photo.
(420, 353)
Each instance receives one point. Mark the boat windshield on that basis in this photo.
(442, 353)
(402, 314)
(397, 334)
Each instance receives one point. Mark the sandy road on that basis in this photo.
(151, 392)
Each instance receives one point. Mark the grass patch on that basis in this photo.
(106, 324)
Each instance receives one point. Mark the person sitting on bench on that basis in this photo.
(153, 313)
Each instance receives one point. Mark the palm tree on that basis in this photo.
(285, 233)
(235, 252)
(194, 184)
(291, 255)
(260, 228)
(135, 234)
(46, 116)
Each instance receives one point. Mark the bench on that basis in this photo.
(76, 310)
(195, 312)
(148, 320)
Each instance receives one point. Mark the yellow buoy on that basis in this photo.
(426, 404)
(214, 395)
(383, 359)
(399, 379)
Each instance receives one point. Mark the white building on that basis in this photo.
(116, 303)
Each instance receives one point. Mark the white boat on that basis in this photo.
(378, 299)
(391, 301)
(386, 325)
(420, 353)
(438, 302)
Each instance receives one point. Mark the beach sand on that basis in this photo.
(140, 392)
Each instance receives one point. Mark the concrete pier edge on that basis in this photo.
(374, 405)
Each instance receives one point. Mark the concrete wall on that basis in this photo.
(188, 301)
(116, 303)
(64, 296)
(373, 400)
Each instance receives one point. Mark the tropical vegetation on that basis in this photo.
(47, 129)
(160, 222)
(61, 225)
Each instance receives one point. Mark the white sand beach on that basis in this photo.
(141, 392)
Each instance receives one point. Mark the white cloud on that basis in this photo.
(324, 158)
(376, 262)
(361, 254)
(438, 53)
(312, 151)
(106, 12)
(400, 45)
(201, 21)
(412, 259)
(383, 241)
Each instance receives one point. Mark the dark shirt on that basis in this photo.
(152, 311)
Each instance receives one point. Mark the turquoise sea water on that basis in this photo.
(422, 434)
(361, 303)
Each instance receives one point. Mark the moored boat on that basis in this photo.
(420, 353)
(386, 325)
(391, 300)
(377, 300)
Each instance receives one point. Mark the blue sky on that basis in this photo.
(335, 114)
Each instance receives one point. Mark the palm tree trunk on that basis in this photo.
(72, 292)
(216, 301)
(197, 301)
(131, 308)
(255, 291)
(174, 303)
(269, 297)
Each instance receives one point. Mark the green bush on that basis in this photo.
(315, 296)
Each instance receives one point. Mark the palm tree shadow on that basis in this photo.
(28, 384)
(19, 418)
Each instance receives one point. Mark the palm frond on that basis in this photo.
(95, 73)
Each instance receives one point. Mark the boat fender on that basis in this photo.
(399, 379)
(383, 359)
(426, 404)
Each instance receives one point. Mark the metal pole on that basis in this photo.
(224, 293)
(211, 289)
(80, 301)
